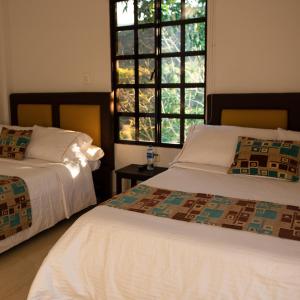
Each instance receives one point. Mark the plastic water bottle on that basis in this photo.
(150, 158)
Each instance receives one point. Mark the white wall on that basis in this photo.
(256, 46)
(58, 45)
(126, 154)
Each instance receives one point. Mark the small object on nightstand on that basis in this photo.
(135, 173)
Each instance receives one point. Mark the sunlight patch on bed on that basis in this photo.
(75, 164)
(92, 151)
(73, 167)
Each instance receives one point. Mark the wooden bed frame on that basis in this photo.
(253, 103)
(54, 102)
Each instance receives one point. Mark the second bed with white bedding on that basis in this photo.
(111, 253)
(56, 192)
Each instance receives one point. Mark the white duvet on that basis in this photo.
(115, 254)
(56, 192)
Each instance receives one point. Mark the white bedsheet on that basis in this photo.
(56, 192)
(116, 254)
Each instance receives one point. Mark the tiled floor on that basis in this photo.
(19, 265)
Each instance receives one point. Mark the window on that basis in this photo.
(158, 61)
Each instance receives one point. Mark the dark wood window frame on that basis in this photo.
(158, 115)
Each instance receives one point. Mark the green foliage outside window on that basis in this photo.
(142, 128)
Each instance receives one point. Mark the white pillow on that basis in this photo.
(216, 145)
(83, 153)
(288, 135)
(52, 144)
(92, 152)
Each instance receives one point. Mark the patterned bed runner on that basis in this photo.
(248, 215)
(15, 207)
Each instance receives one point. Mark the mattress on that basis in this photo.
(56, 192)
(111, 253)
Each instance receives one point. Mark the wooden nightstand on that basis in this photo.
(133, 173)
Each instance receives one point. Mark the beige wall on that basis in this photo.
(59, 45)
(255, 46)
(63, 45)
(3, 69)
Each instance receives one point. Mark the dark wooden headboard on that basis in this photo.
(272, 110)
(89, 112)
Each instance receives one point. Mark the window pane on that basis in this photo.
(170, 39)
(170, 101)
(190, 122)
(170, 67)
(127, 128)
(147, 100)
(194, 101)
(170, 10)
(170, 131)
(195, 37)
(194, 69)
(147, 130)
(146, 11)
(125, 42)
(125, 71)
(194, 8)
(146, 70)
(125, 13)
(146, 41)
(126, 100)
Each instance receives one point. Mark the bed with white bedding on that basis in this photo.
(116, 254)
(56, 192)
(59, 169)
(112, 253)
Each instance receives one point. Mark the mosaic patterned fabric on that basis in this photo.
(13, 143)
(254, 216)
(15, 208)
(278, 159)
